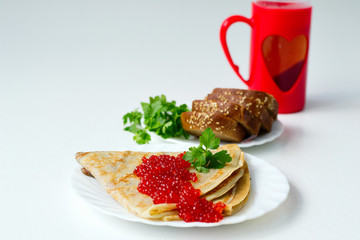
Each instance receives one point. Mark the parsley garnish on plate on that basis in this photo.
(159, 116)
(201, 158)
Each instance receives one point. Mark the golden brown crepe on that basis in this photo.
(114, 171)
(225, 185)
(235, 198)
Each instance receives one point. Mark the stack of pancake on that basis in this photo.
(114, 171)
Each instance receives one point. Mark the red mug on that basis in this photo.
(279, 50)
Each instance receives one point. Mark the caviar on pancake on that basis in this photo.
(166, 179)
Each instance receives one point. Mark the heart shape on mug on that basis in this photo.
(284, 59)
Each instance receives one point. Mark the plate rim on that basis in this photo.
(256, 141)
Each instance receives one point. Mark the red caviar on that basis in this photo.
(166, 179)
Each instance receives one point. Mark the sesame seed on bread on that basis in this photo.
(224, 128)
(258, 110)
(231, 110)
(232, 114)
(259, 97)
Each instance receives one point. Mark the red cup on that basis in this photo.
(279, 50)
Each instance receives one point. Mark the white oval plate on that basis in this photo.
(269, 188)
(276, 130)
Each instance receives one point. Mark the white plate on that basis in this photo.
(276, 130)
(269, 188)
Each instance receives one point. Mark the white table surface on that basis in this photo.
(69, 71)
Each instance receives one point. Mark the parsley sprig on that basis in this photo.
(202, 158)
(159, 116)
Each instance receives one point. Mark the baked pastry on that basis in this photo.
(231, 110)
(258, 110)
(114, 170)
(232, 114)
(227, 129)
(259, 97)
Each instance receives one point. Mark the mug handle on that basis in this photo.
(223, 30)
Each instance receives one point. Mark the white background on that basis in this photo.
(69, 71)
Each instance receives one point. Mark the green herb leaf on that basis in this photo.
(159, 116)
(219, 159)
(194, 153)
(202, 169)
(134, 118)
(203, 159)
(142, 137)
(209, 140)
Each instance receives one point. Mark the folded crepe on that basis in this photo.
(114, 171)
(235, 198)
(225, 185)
